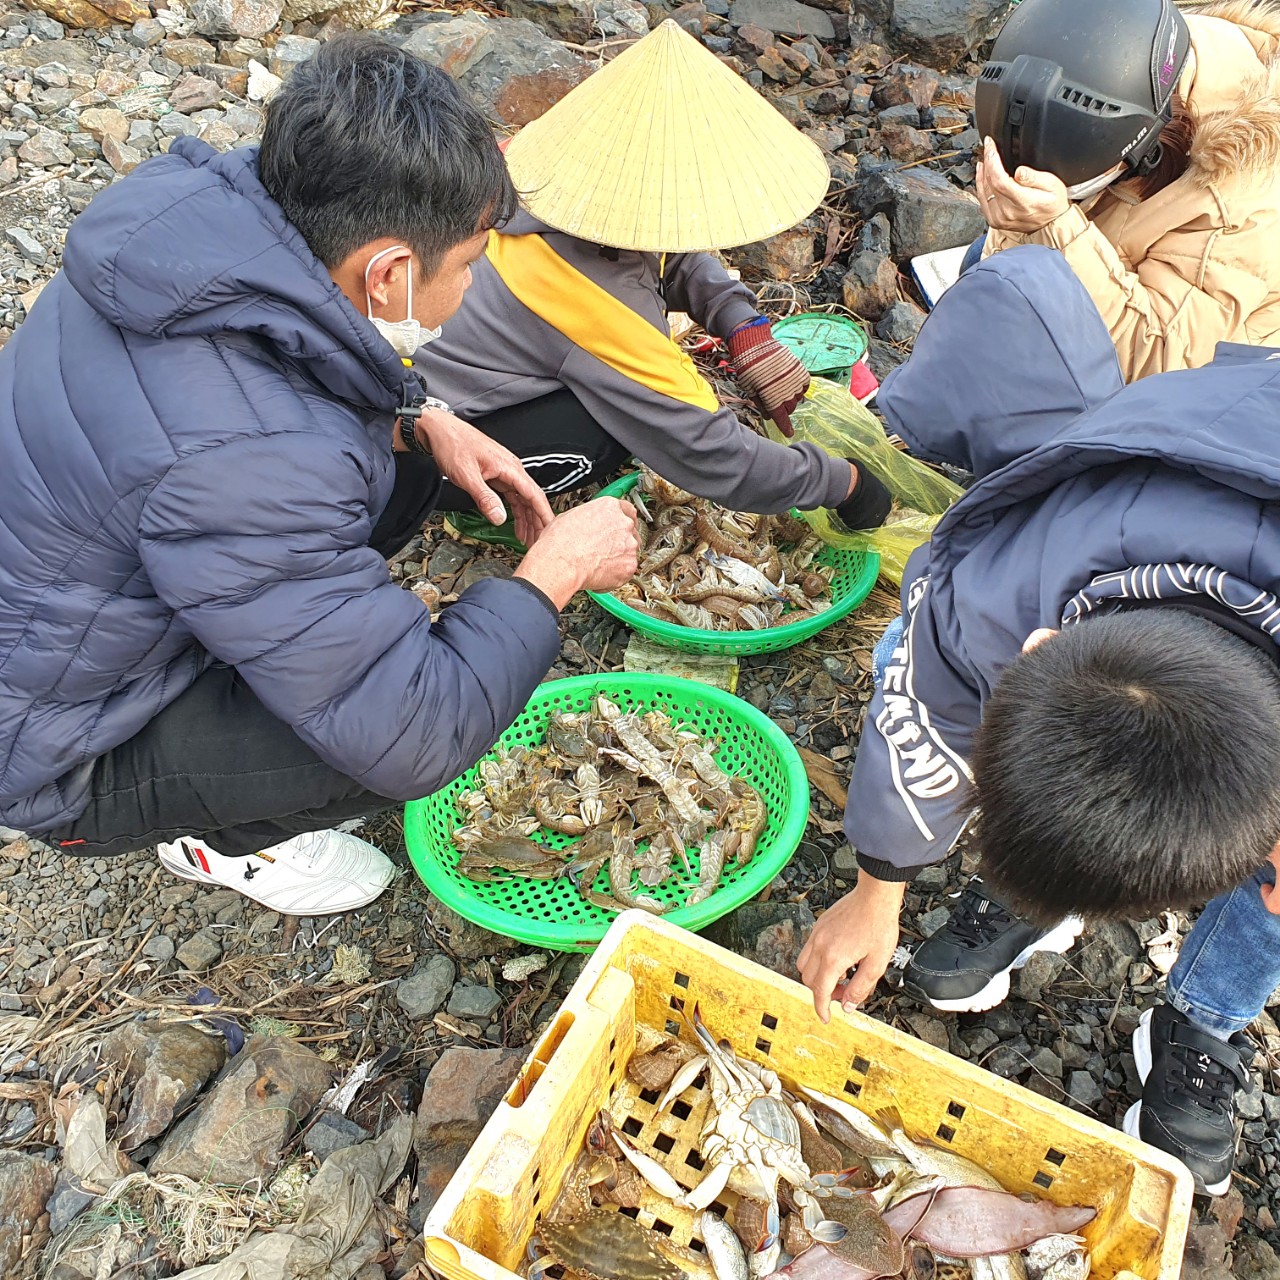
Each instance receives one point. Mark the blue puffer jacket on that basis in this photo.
(1088, 493)
(195, 444)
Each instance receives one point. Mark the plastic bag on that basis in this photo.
(832, 419)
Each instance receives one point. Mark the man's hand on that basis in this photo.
(595, 546)
(488, 472)
(1029, 200)
(859, 932)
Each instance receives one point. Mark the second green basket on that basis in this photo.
(855, 574)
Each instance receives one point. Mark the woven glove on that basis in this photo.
(868, 506)
(769, 373)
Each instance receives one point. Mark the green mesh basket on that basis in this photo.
(551, 913)
(855, 575)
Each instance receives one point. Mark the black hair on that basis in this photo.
(1128, 765)
(365, 141)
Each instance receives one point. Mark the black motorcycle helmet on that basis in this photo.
(1074, 87)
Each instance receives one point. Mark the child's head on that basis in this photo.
(1128, 764)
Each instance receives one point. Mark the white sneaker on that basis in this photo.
(315, 874)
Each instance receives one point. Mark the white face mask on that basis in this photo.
(1095, 186)
(407, 335)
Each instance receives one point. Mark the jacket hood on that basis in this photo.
(1231, 87)
(1014, 352)
(1216, 423)
(191, 244)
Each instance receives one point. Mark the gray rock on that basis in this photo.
(53, 75)
(931, 921)
(786, 256)
(1249, 1104)
(1205, 1256)
(26, 1184)
(1105, 953)
(1047, 1063)
(1038, 973)
(905, 114)
(291, 51)
(159, 948)
(200, 952)
(176, 125)
(45, 149)
(426, 989)
(96, 899)
(870, 286)
(167, 1065)
(465, 940)
(42, 27)
(932, 878)
(925, 211)
(783, 17)
(236, 17)
(461, 1093)
(27, 245)
(333, 1132)
(68, 1201)
(146, 32)
(236, 1133)
(1083, 1088)
(771, 933)
(1255, 1259)
(195, 93)
(524, 74)
(454, 46)
(474, 1003)
(907, 83)
(572, 20)
(941, 32)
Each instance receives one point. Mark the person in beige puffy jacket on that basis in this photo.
(1182, 250)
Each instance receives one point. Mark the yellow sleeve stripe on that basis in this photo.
(593, 319)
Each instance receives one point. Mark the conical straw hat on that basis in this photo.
(665, 149)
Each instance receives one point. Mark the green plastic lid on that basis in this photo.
(825, 344)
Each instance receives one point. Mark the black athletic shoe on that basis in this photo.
(1188, 1105)
(965, 966)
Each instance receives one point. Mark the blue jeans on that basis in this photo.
(974, 255)
(1230, 962)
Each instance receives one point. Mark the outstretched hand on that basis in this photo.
(493, 475)
(860, 932)
(1025, 202)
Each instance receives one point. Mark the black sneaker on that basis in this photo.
(965, 966)
(1188, 1105)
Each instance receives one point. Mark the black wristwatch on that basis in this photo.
(408, 417)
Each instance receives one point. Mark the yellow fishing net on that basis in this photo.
(832, 419)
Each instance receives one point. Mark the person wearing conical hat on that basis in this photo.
(561, 350)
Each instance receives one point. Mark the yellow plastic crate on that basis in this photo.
(646, 971)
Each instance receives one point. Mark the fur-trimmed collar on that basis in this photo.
(1237, 129)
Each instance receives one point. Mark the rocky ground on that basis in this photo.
(102, 962)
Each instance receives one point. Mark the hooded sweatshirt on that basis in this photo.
(195, 439)
(1087, 494)
(1196, 263)
(547, 311)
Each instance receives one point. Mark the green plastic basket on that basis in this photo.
(855, 575)
(551, 913)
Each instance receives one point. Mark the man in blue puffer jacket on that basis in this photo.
(1088, 659)
(210, 441)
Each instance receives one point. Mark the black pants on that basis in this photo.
(216, 763)
(560, 443)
